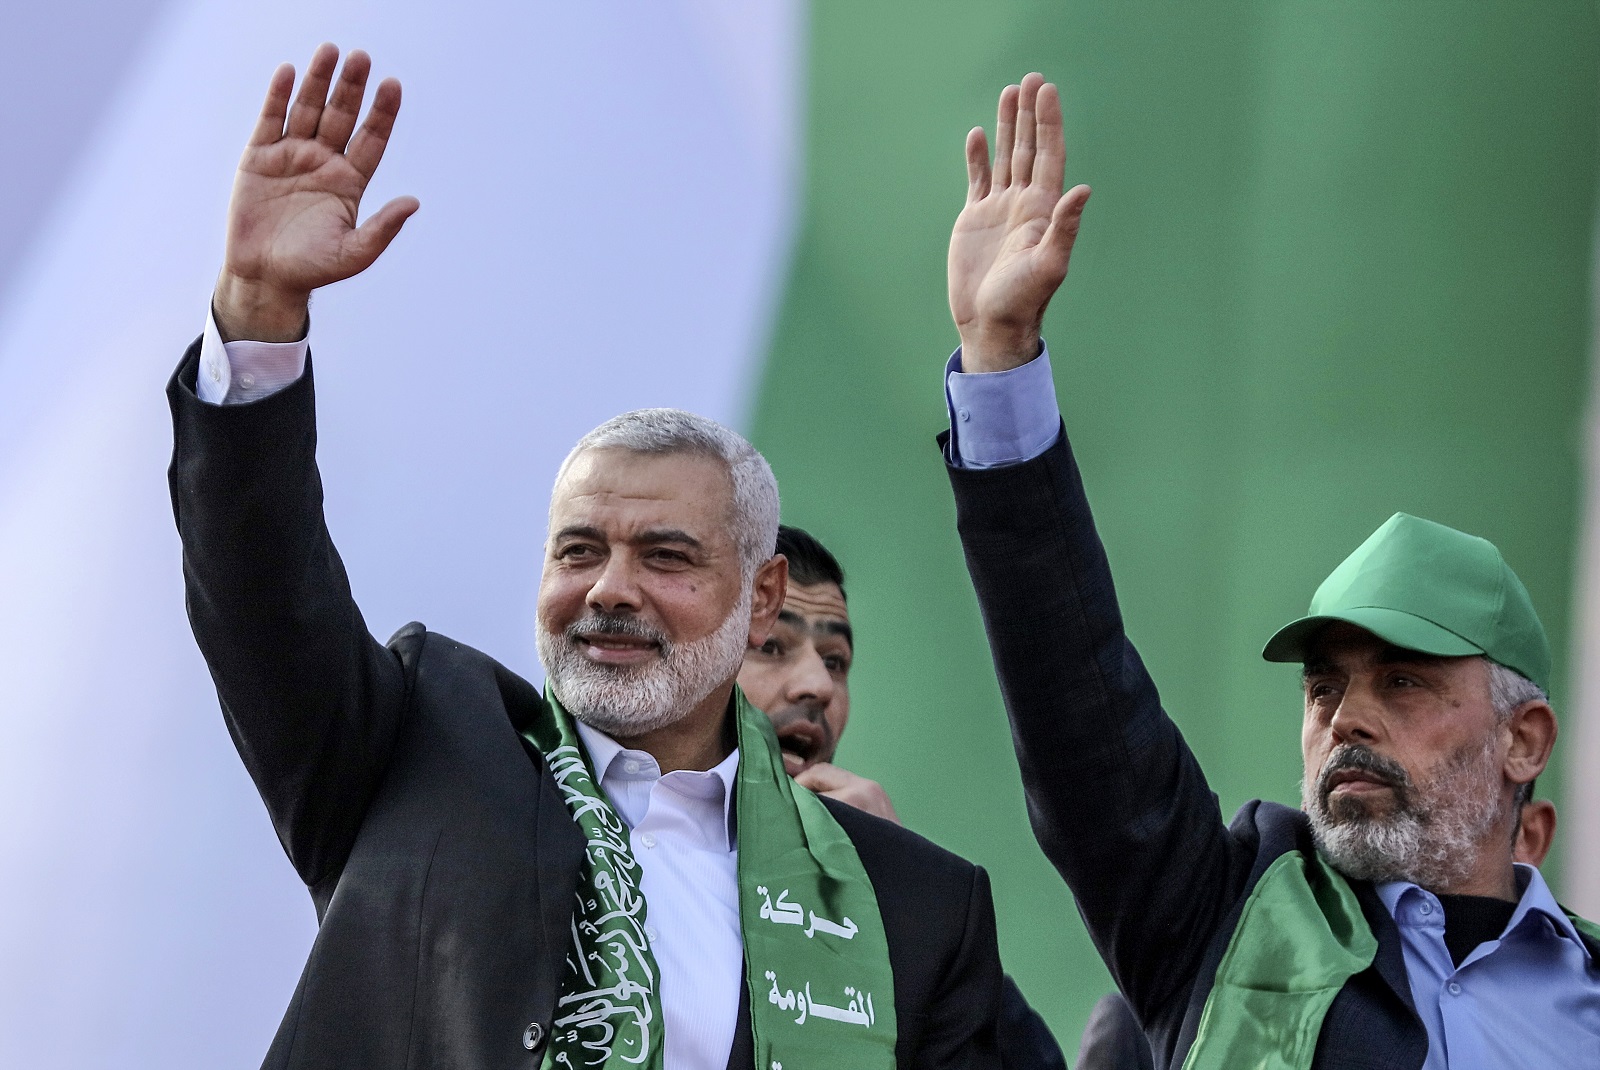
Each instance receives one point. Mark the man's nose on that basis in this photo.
(811, 679)
(1356, 719)
(615, 589)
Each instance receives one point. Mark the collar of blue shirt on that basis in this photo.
(1402, 897)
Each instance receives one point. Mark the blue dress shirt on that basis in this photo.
(1528, 999)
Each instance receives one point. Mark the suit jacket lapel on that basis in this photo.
(1390, 961)
(742, 1055)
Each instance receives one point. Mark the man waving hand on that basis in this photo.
(1384, 924)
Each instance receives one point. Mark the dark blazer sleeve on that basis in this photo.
(1112, 1039)
(1116, 798)
(312, 701)
(1026, 1043)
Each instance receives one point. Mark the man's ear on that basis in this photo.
(1533, 736)
(1536, 833)
(766, 598)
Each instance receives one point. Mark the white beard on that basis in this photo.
(629, 701)
(1431, 836)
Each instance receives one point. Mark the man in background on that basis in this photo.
(800, 677)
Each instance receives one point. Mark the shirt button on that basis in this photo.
(1455, 989)
(1427, 907)
(651, 933)
(216, 373)
(532, 1035)
(630, 766)
(964, 415)
(648, 840)
(246, 381)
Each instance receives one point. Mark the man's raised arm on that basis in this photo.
(312, 701)
(1114, 795)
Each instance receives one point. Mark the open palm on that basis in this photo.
(293, 220)
(1012, 241)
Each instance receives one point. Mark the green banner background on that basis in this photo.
(1336, 264)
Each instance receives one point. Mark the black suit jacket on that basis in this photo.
(1116, 798)
(439, 855)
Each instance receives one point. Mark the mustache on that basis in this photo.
(809, 712)
(601, 624)
(1354, 757)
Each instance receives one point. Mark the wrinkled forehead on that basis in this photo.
(623, 491)
(818, 608)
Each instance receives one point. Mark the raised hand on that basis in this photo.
(1011, 243)
(292, 222)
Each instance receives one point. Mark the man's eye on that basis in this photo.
(835, 663)
(577, 550)
(771, 647)
(1319, 691)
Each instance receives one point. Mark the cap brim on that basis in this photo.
(1391, 625)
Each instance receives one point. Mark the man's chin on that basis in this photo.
(1359, 809)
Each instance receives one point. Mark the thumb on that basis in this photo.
(1055, 248)
(369, 240)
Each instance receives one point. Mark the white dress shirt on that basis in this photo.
(683, 838)
(682, 823)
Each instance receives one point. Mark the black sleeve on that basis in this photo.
(312, 701)
(1115, 797)
(1026, 1043)
(1112, 1039)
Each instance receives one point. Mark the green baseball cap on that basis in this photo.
(1426, 587)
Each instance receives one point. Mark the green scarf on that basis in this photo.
(817, 959)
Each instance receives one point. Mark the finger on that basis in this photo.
(1050, 161)
(269, 126)
(313, 92)
(1005, 132)
(793, 764)
(369, 240)
(366, 148)
(822, 777)
(1027, 132)
(1055, 248)
(344, 106)
(977, 165)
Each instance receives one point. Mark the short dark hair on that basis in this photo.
(810, 563)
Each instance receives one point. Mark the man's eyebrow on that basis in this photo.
(840, 628)
(824, 627)
(1315, 667)
(580, 531)
(672, 535)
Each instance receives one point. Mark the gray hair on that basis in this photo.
(666, 431)
(1509, 689)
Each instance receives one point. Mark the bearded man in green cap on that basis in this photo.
(1384, 925)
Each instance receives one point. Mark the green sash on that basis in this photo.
(1300, 937)
(817, 959)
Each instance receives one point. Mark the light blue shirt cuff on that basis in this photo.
(1001, 418)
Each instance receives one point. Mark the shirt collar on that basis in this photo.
(1536, 899)
(604, 752)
